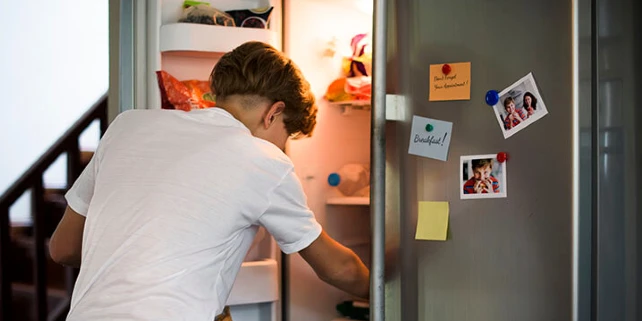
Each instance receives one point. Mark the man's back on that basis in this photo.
(175, 205)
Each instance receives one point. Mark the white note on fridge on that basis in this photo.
(430, 138)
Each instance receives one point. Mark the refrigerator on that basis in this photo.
(563, 240)
(564, 244)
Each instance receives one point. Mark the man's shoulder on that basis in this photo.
(265, 151)
(128, 117)
(142, 113)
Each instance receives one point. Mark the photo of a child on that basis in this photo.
(513, 116)
(519, 106)
(482, 176)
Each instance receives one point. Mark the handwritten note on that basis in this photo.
(432, 222)
(433, 143)
(453, 86)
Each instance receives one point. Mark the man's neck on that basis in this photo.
(248, 110)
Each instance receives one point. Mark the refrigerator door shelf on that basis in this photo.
(208, 40)
(256, 282)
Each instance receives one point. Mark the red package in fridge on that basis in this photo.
(183, 95)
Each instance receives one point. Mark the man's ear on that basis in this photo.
(272, 112)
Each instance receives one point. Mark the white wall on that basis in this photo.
(54, 66)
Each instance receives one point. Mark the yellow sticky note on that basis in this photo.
(452, 86)
(432, 223)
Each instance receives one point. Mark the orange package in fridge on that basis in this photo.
(184, 95)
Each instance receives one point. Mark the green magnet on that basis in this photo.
(429, 128)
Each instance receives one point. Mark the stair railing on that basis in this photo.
(32, 180)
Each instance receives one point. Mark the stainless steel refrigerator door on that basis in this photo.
(505, 259)
(400, 247)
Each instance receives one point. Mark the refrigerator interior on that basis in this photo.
(341, 136)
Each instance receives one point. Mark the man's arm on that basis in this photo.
(338, 266)
(295, 229)
(65, 246)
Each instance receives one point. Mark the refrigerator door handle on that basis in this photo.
(378, 162)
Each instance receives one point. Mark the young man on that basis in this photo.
(171, 200)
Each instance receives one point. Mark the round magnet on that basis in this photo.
(502, 157)
(492, 97)
(446, 69)
(429, 127)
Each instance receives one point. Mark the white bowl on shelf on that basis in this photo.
(202, 39)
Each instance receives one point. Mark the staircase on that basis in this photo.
(32, 286)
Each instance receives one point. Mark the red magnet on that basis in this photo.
(502, 157)
(446, 69)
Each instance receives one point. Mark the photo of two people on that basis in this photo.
(519, 106)
(482, 176)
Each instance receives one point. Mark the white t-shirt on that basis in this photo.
(172, 201)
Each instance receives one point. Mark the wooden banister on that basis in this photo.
(97, 111)
(40, 261)
(5, 281)
(32, 179)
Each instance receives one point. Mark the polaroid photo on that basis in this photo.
(482, 176)
(519, 106)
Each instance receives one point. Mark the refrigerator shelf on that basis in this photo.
(349, 105)
(354, 103)
(201, 39)
(348, 201)
(256, 282)
(395, 106)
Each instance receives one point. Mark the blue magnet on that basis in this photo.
(334, 179)
(492, 97)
